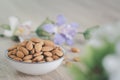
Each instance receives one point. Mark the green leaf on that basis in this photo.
(93, 60)
(42, 33)
(77, 73)
(15, 38)
(95, 55)
(5, 26)
(87, 33)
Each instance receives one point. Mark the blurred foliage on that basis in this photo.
(5, 26)
(77, 73)
(87, 32)
(92, 60)
(15, 38)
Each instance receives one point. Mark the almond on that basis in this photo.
(47, 48)
(75, 50)
(48, 43)
(43, 59)
(18, 47)
(17, 59)
(58, 48)
(42, 43)
(12, 56)
(34, 60)
(57, 52)
(29, 45)
(36, 40)
(55, 57)
(68, 64)
(49, 59)
(48, 54)
(10, 53)
(14, 51)
(32, 51)
(23, 43)
(28, 57)
(33, 43)
(38, 58)
(24, 50)
(38, 47)
(29, 61)
(20, 54)
(37, 54)
(76, 59)
(13, 47)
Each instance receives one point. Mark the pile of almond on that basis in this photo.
(35, 50)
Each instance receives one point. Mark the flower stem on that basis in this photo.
(80, 32)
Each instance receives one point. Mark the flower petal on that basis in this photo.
(60, 20)
(24, 29)
(13, 22)
(68, 31)
(8, 33)
(59, 39)
(68, 36)
(75, 25)
(50, 28)
(69, 42)
(72, 32)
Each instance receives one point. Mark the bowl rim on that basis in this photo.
(34, 63)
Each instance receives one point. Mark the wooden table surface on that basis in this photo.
(86, 12)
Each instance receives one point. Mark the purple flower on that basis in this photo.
(50, 28)
(60, 20)
(69, 42)
(75, 25)
(63, 33)
(59, 39)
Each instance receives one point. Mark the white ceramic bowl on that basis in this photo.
(35, 68)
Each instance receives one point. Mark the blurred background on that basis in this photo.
(85, 12)
(88, 13)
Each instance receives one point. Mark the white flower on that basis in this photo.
(115, 76)
(16, 28)
(13, 22)
(111, 63)
(24, 29)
